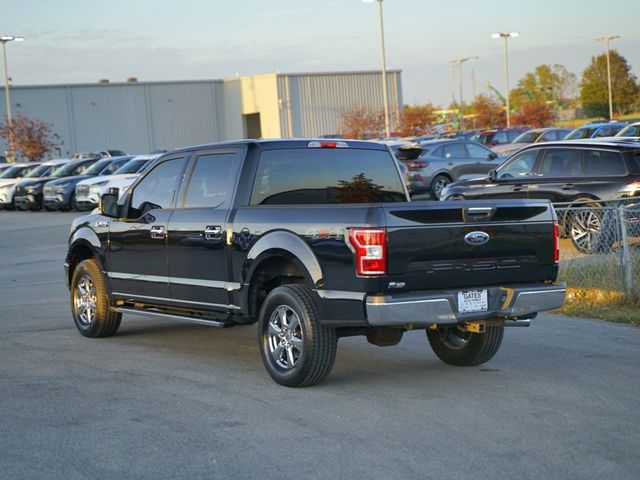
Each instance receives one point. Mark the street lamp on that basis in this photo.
(4, 39)
(459, 62)
(506, 37)
(606, 41)
(385, 98)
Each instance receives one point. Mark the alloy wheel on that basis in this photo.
(285, 337)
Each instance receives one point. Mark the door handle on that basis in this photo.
(567, 186)
(157, 231)
(518, 188)
(213, 233)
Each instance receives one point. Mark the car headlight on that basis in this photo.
(7, 187)
(100, 184)
(33, 189)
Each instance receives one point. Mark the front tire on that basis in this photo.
(465, 349)
(90, 304)
(296, 350)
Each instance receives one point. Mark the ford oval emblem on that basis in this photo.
(476, 238)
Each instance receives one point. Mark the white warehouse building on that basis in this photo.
(141, 117)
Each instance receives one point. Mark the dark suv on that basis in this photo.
(563, 172)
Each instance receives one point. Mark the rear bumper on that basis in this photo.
(441, 307)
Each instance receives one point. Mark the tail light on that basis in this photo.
(631, 189)
(370, 248)
(329, 144)
(417, 164)
(556, 243)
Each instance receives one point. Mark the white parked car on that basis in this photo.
(23, 171)
(89, 191)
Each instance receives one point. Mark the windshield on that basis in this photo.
(40, 171)
(482, 138)
(629, 131)
(97, 167)
(527, 137)
(12, 172)
(132, 166)
(580, 133)
(71, 169)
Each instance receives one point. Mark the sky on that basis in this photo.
(73, 41)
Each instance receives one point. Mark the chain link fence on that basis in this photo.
(600, 246)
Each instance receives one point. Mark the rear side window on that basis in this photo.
(212, 181)
(500, 137)
(561, 162)
(321, 176)
(603, 163)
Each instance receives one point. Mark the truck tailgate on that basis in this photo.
(436, 245)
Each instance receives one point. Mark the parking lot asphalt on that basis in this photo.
(163, 399)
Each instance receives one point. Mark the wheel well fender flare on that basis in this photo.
(288, 245)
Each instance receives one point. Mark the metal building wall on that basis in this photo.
(135, 117)
(311, 104)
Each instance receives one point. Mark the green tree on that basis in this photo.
(594, 93)
(552, 85)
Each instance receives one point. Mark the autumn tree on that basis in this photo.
(489, 112)
(361, 122)
(534, 113)
(31, 138)
(416, 119)
(594, 92)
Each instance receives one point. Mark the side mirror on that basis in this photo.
(108, 205)
(493, 175)
(492, 155)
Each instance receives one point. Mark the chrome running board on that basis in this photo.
(174, 316)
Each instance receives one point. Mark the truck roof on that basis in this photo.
(269, 144)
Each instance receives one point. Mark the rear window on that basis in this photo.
(321, 176)
(603, 163)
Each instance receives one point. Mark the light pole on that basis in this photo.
(7, 96)
(506, 37)
(385, 98)
(606, 41)
(459, 62)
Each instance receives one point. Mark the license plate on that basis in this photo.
(472, 301)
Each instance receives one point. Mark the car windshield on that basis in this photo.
(629, 131)
(38, 171)
(97, 167)
(70, 169)
(132, 166)
(12, 172)
(581, 133)
(527, 137)
(483, 138)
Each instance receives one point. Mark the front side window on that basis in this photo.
(521, 165)
(580, 133)
(561, 162)
(500, 137)
(212, 181)
(324, 176)
(477, 151)
(157, 189)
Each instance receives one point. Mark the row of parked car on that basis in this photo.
(65, 184)
(585, 173)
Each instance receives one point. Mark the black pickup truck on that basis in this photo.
(314, 240)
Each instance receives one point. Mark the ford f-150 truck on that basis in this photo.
(313, 240)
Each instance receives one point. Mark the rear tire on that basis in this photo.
(465, 349)
(438, 184)
(90, 304)
(589, 230)
(296, 350)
